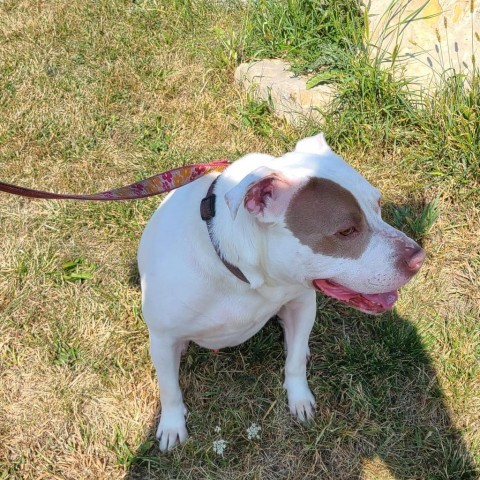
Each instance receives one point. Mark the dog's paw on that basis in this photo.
(301, 402)
(171, 430)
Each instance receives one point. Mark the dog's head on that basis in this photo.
(323, 225)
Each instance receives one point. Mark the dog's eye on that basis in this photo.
(347, 232)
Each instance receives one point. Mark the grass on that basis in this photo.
(96, 95)
(309, 33)
(417, 224)
(374, 103)
(255, 114)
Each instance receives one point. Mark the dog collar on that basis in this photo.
(207, 212)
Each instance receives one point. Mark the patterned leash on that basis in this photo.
(160, 183)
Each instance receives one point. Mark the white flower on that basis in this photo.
(252, 431)
(218, 429)
(219, 446)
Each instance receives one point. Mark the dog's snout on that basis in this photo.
(412, 258)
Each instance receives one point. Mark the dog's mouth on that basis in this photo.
(366, 302)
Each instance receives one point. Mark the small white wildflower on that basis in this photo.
(253, 431)
(219, 446)
(218, 429)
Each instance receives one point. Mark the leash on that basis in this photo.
(159, 183)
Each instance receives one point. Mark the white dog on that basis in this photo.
(271, 231)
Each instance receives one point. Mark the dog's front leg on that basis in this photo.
(166, 355)
(297, 319)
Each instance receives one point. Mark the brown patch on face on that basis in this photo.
(327, 218)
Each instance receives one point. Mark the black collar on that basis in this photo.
(207, 212)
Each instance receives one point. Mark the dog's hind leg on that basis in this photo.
(166, 353)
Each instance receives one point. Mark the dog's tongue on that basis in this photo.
(368, 303)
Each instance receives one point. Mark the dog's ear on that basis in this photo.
(316, 144)
(264, 193)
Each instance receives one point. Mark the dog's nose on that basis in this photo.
(413, 258)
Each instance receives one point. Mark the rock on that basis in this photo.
(272, 80)
(443, 36)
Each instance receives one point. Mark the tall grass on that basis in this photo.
(449, 130)
(375, 104)
(302, 31)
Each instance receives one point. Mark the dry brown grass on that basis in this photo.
(95, 94)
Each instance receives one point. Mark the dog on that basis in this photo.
(223, 255)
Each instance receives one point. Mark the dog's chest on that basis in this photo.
(233, 320)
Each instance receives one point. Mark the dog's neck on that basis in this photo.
(207, 212)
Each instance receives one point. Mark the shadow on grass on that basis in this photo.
(380, 409)
(133, 273)
(381, 413)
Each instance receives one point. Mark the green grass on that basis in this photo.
(374, 103)
(417, 224)
(309, 33)
(97, 95)
(256, 115)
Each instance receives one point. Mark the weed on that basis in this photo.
(77, 270)
(255, 115)
(227, 48)
(66, 354)
(155, 134)
(416, 224)
(127, 456)
(124, 454)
